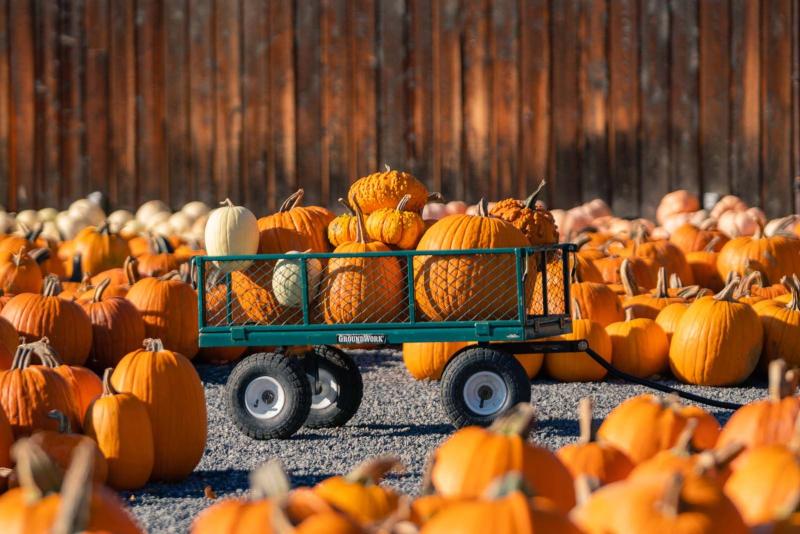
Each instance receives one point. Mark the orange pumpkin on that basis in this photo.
(46, 315)
(157, 377)
(669, 317)
(428, 360)
(20, 274)
(467, 462)
(361, 290)
(343, 228)
(9, 341)
(639, 346)
(691, 238)
(29, 392)
(590, 457)
(781, 323)
(120, 278)
(530, 217)
(396, 227)
(117, 328)
(717, 341)
(6, 440)
(159, 259)
(645, 273)
(99, 248)
(120, 425)
(578, 366)
(60, 445)
(308, 222)
(646, 305)
(597, 302)
(774, 256)
(704, 267)
(169, 309)
(470, 286)
(662, 253)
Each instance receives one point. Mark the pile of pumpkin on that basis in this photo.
(653, 465)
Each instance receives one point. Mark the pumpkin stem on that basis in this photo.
(507, 484)
(483, 207)
(690, 292)
(76, 491)
(530, 202)
(629, 314)
(361, 227)
(581, 241)
(711, 245)
(585, 485)
(675, 281)
(64, 427)
(153, 345)
(108, 389)
(585, 420)
(39, 255)
(386, 168)
(131, 267)
(661, 284)
(172, 275)
(401, 206)
(37, 474)
(373, 470)
(52, 286)
(759, 233)
(718, 459)
(794, 303)
(671, 499)
(517, 421)
(727, 293)
(344, 203)
(628, 279)
(100, 289)
(227, 202)
(683, 445)
(292, 201)
(777, 377)
(104, 228)
(269, 480)
(577, 313)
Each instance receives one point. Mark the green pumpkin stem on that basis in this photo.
(727, 294)
(108, 389)
(585, 421)
(370, 472)
(671, 499)
(37, 474)
(153, 345)
(507, 484)
(401, 206)
(64, 426)
(517, 421)
(76, 491)
(530, 202)
(777, 380)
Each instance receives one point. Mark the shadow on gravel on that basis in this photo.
(222, 481)
(214, 374)
(408, 430)
(563, 427)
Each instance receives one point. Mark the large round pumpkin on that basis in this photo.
(717, 341)
(363, 290)
(29, 392)
(469, 287)
(309, 222)
(598, 302)
(781, 324)
(384, 189)
(168, 385)
(774, 256)
(704, 267)
(63, 322)
(467, 462)
(120, 425)
(169, 309)
(428, 360)
(100, 249)
(639, 346)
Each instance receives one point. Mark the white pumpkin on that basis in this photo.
(48, 214)
(118, 218)
(7, 222)
(29, 218)
(132, 228)
(50, 231)
(162, 228)
(199, 226)
(434, 210)
(150, 208)
(231, 230)
(781, 226)
(741, 223)
(155, 219)
(180, 222)
(87, 211)
(195, 209)
(287, 280)
(68, 226)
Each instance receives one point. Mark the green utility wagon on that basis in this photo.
(297, 312)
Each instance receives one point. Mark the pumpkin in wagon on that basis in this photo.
(385, 189)
(362, 290)
(343, 228)
(231, 230)
(530, 217)
(471, 286)
(310, 222)
(397, 226)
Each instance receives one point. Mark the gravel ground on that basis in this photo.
(398, 415)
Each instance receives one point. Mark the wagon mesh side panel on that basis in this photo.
(548, 295)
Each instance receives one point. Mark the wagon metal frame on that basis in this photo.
(303, 377)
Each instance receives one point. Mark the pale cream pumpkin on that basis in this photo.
(231, 230)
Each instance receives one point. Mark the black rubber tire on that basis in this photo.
(290, 374)
(471, 361)
(351, 388)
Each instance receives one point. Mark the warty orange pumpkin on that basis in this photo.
(46, 315)
(590, 457)
(362, 290)
(717, 342)
(467, 462)
(343, 228)
(168, 307)
(469, 286)
(530, 217)
(397, 226)
(120, 425)
(384, 189)
(157, 377)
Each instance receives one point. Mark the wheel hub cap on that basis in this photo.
(264, 397)
(327, 390)
(485, 393)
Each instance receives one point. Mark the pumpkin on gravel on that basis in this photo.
(469, 286)
(397, 226)
(384, 189)
(120, 425)
(362, 290)
(63, 322)
(781, 324)
(530, 217)
(579, 366)
(639, 346)
(428, 360)
(590, 457)
(467, 462)
(99, 248)
(158, 377)
(169, 309)
(717, 341)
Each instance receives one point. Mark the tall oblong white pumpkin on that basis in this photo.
(231, 230)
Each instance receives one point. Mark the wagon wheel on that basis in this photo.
(268, 396)
(481, 383)
(336, 388)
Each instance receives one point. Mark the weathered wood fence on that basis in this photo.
(177, 99)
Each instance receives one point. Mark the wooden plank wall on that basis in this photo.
(249, 99)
